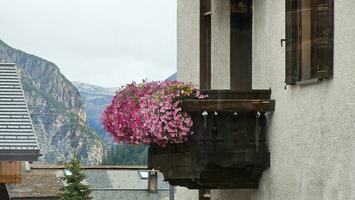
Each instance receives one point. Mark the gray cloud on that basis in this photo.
(103, 42)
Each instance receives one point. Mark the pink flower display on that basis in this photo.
(149, 113)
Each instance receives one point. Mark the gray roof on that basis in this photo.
(106, 182)
(123, 185)
(45, 185)
(129, 195)
(120, 179)
(172, 77)
(17, 138)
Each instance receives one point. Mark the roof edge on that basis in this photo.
(20, 155)
(7, 64)
(90, 167)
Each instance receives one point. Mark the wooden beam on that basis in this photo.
(237, 94)
(228, 105)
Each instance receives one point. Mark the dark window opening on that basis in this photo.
(205, 44)
(241, 44)
(309, 39)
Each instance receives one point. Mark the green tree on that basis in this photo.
(75, 189)
(124, 154)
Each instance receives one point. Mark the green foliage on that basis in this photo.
(124, 154)
(75, 189)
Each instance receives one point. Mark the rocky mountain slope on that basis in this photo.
(56, 109)
(96, 99)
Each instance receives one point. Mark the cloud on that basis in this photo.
(103, 42)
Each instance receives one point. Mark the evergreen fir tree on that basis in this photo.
(75, 189)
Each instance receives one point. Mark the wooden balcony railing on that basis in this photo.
(10, 172)
(228, 148)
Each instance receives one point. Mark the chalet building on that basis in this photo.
(279, 120)
(18, 142)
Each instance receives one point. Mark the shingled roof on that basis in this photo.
(106, 183)
(17, 138)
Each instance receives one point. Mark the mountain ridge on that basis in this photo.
(94, 89)
(56, 108)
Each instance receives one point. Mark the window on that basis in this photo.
(241, 21)
(309, 40)
(240, 44)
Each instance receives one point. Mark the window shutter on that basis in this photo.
(322, 38)
(292, 42)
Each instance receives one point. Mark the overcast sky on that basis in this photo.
(102, 42)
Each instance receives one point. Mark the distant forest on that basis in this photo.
(124, 154)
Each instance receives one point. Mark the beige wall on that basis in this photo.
(188, 43)
(312, 131)
(220, 48)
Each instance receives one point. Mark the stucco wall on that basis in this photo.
(185, 194)
(188, 59)
(188, 42)
(220, 48)
(311, 133)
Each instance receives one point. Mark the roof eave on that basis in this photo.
(20, 155)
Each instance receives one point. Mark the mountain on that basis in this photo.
(90, 91)
(96, 99)
(56, 108)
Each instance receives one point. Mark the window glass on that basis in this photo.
(309, 36)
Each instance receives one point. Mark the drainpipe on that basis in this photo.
(171, 192)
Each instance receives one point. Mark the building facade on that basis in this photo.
(18, 142)
(305, 54)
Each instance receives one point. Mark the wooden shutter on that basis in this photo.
(322, 38)
(10, 172)
(293, 38)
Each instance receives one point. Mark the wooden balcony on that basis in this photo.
(228, 149)
(10, 172)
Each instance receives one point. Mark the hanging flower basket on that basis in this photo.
(150, 113)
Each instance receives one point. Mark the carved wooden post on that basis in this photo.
(205, 129)
(262, 125)
(214, 131)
